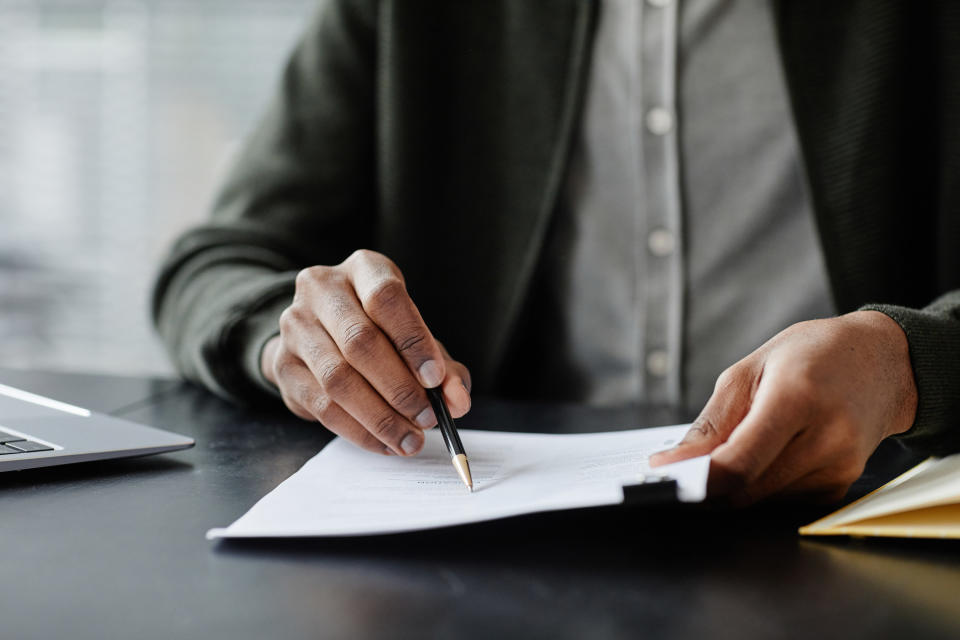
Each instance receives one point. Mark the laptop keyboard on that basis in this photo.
(11, 444)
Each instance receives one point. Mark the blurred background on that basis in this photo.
(117, 118)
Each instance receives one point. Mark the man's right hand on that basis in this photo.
(355, 354)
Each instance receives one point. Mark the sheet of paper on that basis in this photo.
(934, 482)
(344, 490)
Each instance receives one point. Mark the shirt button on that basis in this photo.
(661, 242)
(658, 363)
(660, 4)
(659, 121)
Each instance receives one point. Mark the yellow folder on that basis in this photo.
(924, 502)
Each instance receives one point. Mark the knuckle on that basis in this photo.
(387, 295)
(386, 427)
(335, 376)
(368, 258)
(309, 275)
(703, 427)
(284, 368)
(363, 256)
(335, 281)
(405, 396)
(318, 277)
(338, 305)
(359, 340)
(737, 377)
(321, 407)
(409, 340)
(286, 320)
(301, 392)
(727, 379)
(291, 318)
(316, 352)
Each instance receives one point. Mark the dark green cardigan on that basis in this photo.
(441, 129)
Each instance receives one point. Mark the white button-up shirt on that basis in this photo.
(684, 238)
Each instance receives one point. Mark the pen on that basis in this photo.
(450, 436)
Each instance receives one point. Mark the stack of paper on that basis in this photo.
(346, 491)
(922, 503)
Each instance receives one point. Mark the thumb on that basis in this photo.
(723, 412)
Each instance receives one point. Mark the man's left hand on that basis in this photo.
(801, 414)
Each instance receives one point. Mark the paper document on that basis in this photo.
(344, 490)
(924, 502)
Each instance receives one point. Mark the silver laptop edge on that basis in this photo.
(75, 434)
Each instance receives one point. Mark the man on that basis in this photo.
(605, 202)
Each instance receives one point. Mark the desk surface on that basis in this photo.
(117, 549)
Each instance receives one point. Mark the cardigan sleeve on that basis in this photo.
(933, 335)
(301, 193)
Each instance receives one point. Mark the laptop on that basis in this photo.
(36, 431)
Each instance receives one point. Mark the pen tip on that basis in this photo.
(463, 469)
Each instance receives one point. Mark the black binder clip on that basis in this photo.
(650, 488)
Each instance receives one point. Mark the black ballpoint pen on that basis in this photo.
(450, 436)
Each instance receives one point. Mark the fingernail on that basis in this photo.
(430, 374)
(657, 457)
(410, 444)
(426, 418)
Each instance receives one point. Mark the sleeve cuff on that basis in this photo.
(259, 329)
(242, 340)
(934, 343)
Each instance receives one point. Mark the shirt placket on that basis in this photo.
(659, 247)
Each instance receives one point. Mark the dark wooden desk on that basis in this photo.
(117, 550)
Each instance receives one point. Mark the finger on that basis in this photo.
(297, 409)
(348, 389)
(726, 407)
(268, 358)
(369, 352)
(815, 462)
(302, 393)
(286, 371)
(802, 455)
(829, 483)
(773, 421)
(383, 295)
(455, 389)
(337, 420)
(369, 409)
(461, 369)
